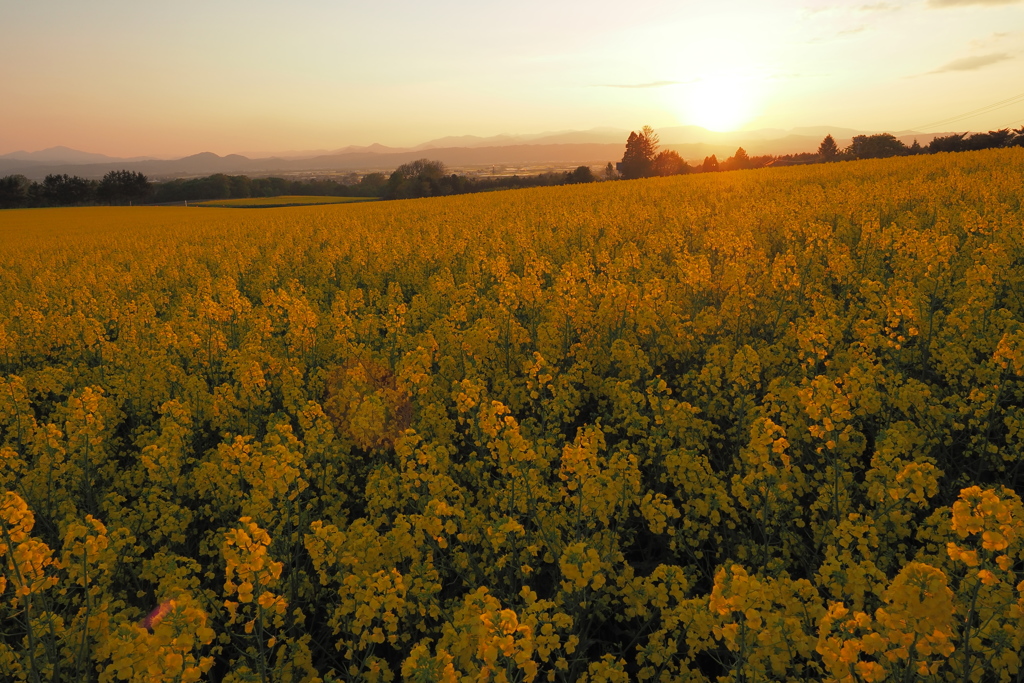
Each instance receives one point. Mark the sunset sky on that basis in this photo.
(168, 79)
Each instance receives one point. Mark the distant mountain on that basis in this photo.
(595, 146)
(564, 137)
(207, 163)
(764, 140)
(470, 141)
(64, 155)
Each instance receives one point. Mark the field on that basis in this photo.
(749, 426)
(288, 200)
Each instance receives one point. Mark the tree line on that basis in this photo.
(222, 186)
(643, 160)
(116, 187)
(129, 187)
(420, 178)
(430, 178)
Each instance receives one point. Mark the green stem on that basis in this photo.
(29, 633)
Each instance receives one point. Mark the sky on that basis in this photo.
(130, 78)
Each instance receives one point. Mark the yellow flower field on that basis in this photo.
(287, 200)
(748, 426)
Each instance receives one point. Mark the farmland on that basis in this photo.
(275, 202)
(762, 425)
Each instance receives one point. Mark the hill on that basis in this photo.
(597, 146)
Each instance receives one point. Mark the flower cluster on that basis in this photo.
(760, 425)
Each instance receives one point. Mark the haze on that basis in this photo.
(170, 79)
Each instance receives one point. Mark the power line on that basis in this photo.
(981, 110)
(1015, 99)
(977, 112)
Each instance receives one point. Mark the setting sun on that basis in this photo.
(720, 102)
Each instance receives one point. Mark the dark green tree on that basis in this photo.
(991, 140)
(878, 146)
(641, 148)
(828, 150)
(582, 174)
(420, 178)
(668, 162)
(14, 191)
(65, 190)
(710, 164)
(947, 143)
(372, 185)
(119, 187)
(422, 168)
(241, 187)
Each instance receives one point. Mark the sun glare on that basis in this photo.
(720, 102)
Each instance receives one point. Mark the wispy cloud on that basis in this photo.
(972, 63)
(652, 84)
(838, 35)
(791, 75)
(990, 40)
(938, 4)
(880, 6)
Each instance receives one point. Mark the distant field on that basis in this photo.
(289, 200)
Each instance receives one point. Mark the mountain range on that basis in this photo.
(595, 146)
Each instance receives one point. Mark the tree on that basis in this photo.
(990, 140)
(582, 174)
(125, 186)
(372, 185)
(947, 143)
(423, 169)
(609, 172)
(641, 148)
(710, 164)
(737, 162)
(420, 178)
(14, 191)
(217, 186)
(877, 146)
(668, 162)
(65, 190)
(241, 187)
(828, 150)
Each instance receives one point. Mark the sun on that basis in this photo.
(718, 102)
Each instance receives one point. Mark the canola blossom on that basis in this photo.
(749, 426)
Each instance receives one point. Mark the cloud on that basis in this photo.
(972, 63)
(845, 33)
(793, 75)
(879, 6)
(990, 40)
(652, 84)
(939, 4)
